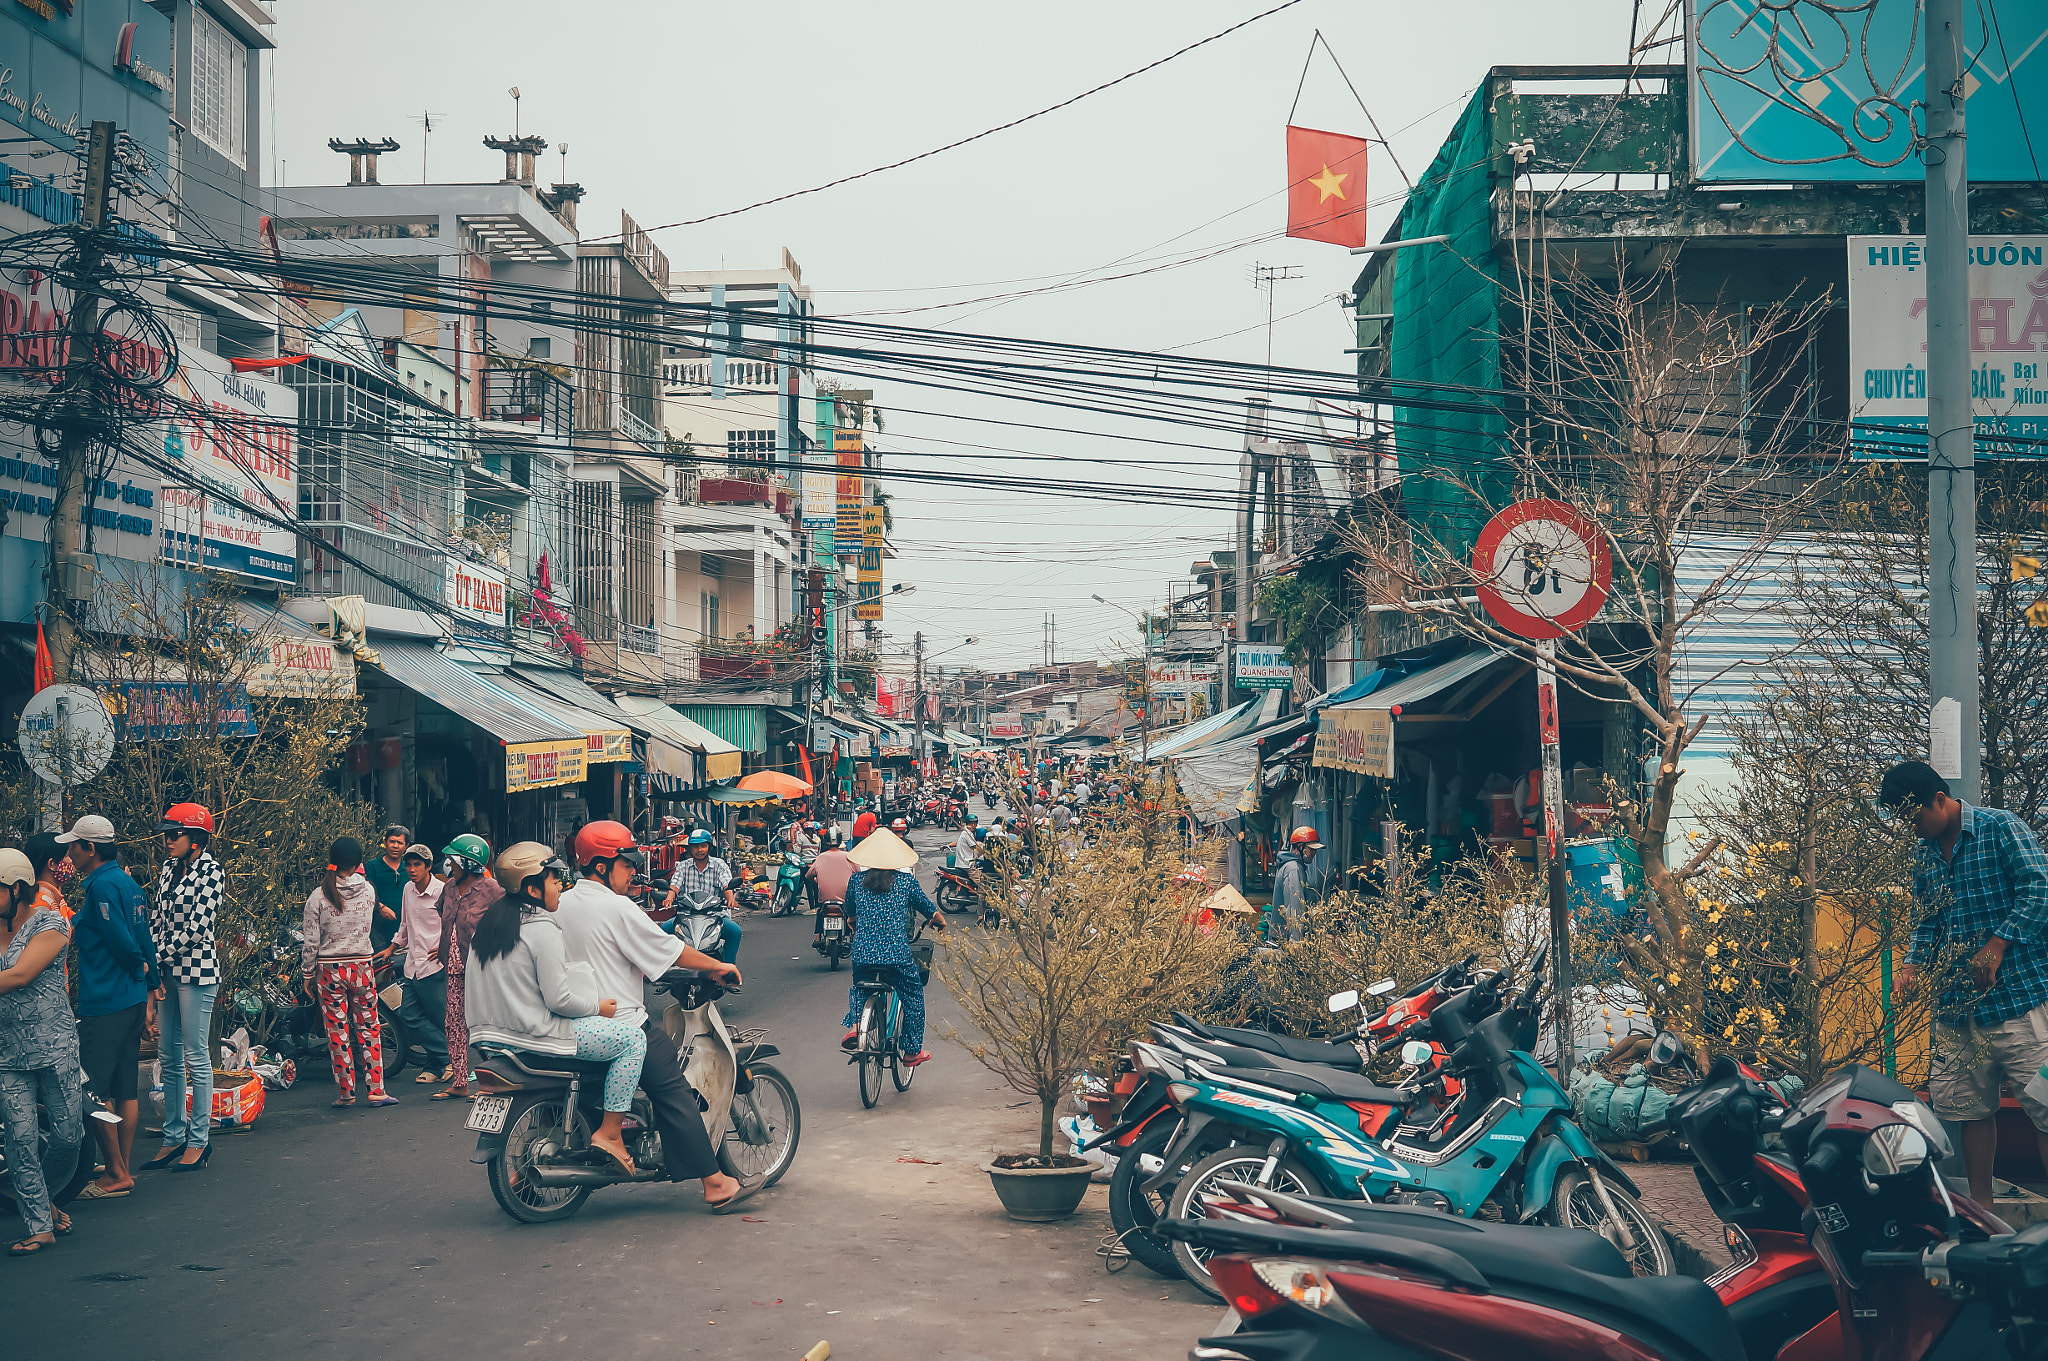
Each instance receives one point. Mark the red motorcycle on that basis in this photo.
(1848, 1246)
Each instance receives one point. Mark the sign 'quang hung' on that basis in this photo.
(1261, 666)
(1888, 343)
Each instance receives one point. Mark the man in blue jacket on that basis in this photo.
(116, 978)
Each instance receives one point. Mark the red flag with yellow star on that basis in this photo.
(1326, 186)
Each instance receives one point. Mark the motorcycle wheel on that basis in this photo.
(833, 949)
(1575, 1204)
(954, 900)
(511, 1172)
(1241, 1162)
(394, 1035)
(1133, 1212)
(782, 904)
(873, 1021)
(774, 1101)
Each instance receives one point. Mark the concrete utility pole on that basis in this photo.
(917, 704)
(70, 566)
(1953, 734)
(1255, 409)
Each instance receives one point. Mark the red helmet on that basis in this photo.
(606, 841)
(1304, 836)
(187, 817)
(899, 825)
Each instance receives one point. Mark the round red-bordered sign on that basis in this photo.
(1543, 569)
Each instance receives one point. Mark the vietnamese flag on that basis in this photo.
(46, 670)
(1326, 186)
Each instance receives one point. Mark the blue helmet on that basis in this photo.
(700, 837)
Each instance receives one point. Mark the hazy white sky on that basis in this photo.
(674, 110)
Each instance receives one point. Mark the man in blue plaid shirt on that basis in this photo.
(703, 875)
(1981, 878)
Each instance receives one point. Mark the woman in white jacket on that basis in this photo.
(523, 993)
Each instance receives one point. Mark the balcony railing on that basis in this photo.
(639, 639)
(529, 396)
(633, 428)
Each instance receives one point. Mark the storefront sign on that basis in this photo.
(1358, 740)
(239, 436)
(893, 751)
(475, 593)
(154, 711)
(1888, 342)
(821, 501)
(847, 452)
(536, 765)
(1177, 680)
(602, 747)
(299, 667)
(1262, 666)
(1006, 725)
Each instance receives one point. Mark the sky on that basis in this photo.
(677, 110)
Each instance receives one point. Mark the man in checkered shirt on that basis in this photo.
(704, 875)
(1981, 878)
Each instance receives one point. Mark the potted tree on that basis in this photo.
(1095, 943)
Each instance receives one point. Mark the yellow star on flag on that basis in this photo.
(1329, 186)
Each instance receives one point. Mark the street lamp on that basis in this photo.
(1144, 714)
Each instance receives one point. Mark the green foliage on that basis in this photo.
(1307, 611)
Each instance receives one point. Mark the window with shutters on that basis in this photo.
(219, 79)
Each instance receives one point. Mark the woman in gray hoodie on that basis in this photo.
(336, 958)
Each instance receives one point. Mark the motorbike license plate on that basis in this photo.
(487, 1116)
(834, 924)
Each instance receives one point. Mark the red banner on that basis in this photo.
(1326, 186)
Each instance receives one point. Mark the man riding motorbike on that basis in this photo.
(705, 873)
(602, 928)
(966, 850)
(826, 878)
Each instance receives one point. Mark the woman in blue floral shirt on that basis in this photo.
(880, 903)
(38, 1048)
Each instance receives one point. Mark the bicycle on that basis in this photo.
(879, 1022)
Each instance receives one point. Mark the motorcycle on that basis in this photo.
(1869, 1254)
(699, 922)
(789, 885)
(955, 890)
(535, 1112)
(1503, 1143)
(833, 938)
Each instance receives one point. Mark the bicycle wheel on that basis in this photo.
(770, 1113)
(872, 1015)
(900, 1073)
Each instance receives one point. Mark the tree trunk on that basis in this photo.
(1047, 1122)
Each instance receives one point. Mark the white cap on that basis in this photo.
(92, 827)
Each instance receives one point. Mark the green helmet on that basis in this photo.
(471, 850)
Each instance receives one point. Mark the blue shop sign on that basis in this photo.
(153, 711)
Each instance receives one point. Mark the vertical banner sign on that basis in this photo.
(821, 501)
(868, 579)
(238, 433)
(1542, 570)
(1888, 342)
(847, 451)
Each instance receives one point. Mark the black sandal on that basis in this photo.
(62, 1226)
(29, 1247)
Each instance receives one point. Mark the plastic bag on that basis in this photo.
(277, 1071)
(1079, 1129)
(234, 1051)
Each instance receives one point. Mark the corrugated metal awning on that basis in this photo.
(743, 725)
(419, 668)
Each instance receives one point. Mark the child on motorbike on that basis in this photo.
(523, 992)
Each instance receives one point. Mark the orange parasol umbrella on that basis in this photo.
(776, 783)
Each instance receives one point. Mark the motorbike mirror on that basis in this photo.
(1381, 988)
(1415, 1053)
(1895, 1151)
(1343, 1001)
(1665, 1048)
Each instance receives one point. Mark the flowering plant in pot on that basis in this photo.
(1096, 943)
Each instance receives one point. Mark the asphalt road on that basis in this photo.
(325, 1232)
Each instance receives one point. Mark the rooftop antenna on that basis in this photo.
(514, 92)
(426, 122)
(1265, 276)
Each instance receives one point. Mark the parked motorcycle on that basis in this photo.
(955, 890)
(789, 885)
(66, 1167)
(1503, 1142)
(1869, 1254)
(535, 1112)
(834, 938)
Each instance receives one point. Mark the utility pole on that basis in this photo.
(1953, 736)
(1247, 488)
(917, 702)
(70, 566)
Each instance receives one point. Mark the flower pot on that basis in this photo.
(1038, 1195)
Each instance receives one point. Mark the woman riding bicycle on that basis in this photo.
(879, 904)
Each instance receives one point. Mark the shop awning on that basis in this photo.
(541, 750)
(608, 736)
(953, 738)
(730, 795)
(721, 758)
(1422, 685)
(1358, 735)
(745, 726)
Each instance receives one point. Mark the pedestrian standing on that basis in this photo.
(189, 890)
(1294, 884)
(1981, 878)
(38, 1049)
(468, 892)
(425, 1009)
(387, 875)
(117, 978)
(336, 959)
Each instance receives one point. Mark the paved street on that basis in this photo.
(326, 1232)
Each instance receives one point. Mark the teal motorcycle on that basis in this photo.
(1476, 1128)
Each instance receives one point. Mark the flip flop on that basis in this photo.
(450, 1095)
(29, 1247)
(625, 1163)
(386, 1100)
(94, 1191)
(748, 1186)
(65, 1229)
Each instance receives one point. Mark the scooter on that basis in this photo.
(1893, 1265)
(955, 891)
(1504, 1140)
(535, 1112)
(832, 941)
(789, 885)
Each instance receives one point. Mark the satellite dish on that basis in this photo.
(67, 735)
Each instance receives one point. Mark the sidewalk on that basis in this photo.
(1672, 1193)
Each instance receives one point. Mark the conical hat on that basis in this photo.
(1228, 899)
(882, 849)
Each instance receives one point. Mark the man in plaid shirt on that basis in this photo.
(1981, 878)
(704, 875)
